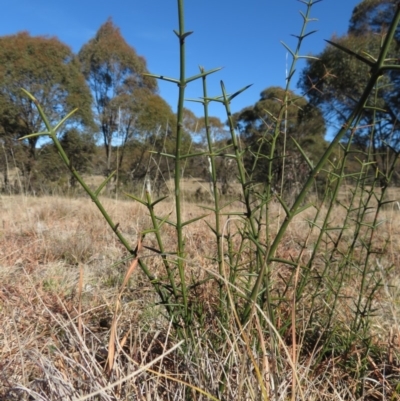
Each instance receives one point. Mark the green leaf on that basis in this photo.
(162, 154)
(141, 201)
(301, 209)
(152, 249)
(286, 262)
(231, 97)
(351, 53)
(304, 36)
(39, 107)
(186, 34)
(308, 57)
(194, 219)
(195, 100)
(34, 135)
(310, 164)
(165, 220)
(183, 36)
(375, 108)
(234, 214)
(207, 208)
(285, 207)
(159, 200)
(370, 56)
(149, 231)
(162, 77)
(394, 67)
(203, 74)
(57, 127)
(210, 227)
(218, 99)
(388, 201)
(291, 75)
(305, 19)
(188, 156)
(288, 49)
(104, 183)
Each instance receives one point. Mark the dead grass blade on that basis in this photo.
(113, 333)
(80, 287)
(132, 375)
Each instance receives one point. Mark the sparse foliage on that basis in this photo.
(335, 81)
(297, 120)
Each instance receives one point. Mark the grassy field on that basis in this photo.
(283, 286)
(60, 274)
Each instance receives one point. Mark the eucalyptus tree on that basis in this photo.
(115, 73)
(372, 16)
(49, 70)
(145, 122)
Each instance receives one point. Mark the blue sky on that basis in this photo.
(243, 37)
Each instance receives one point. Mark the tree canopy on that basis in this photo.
(144, 119)
(114, 71)
(372, 16)
(115, 98)
(48, 69)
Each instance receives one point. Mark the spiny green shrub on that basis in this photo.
(288, 301)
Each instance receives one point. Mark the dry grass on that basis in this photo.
(54, 340)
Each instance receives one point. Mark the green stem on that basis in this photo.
(155, 224)
(52, 133)
(376, 72)
(254, 229)
(213, 172)
(179, 133)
